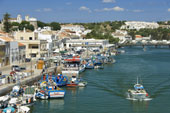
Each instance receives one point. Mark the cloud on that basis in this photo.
(117, 8)
(169, 10)
(84, 8)
(68, 3)
(108, 1)
(38, 10)
(137, 11)
(47, 9)
(43, 10)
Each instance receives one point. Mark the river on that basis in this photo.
(107, 88)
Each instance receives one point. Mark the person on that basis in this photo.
(8, 80)
(35, 66)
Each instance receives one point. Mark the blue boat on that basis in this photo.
(60, 79)
(89, 64)
(49, 90)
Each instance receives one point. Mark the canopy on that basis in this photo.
(138, 86)
(72, 60)
(9, 109)
(63, 52)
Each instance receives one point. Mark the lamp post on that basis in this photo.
(31, 61)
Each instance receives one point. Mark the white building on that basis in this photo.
(53, 42)
(32, 21)
(139, 25)
(86, 43)
(75, 30)
(122, 35)
(18, 19)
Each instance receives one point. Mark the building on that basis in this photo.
(140, 38)
(32, 21)
(11, 51)
(74, 30)
(31, 41)
(53, 42)
(122, 35)
(139, 25)
(84, 43)
(18, 19)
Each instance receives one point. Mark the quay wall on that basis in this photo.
(31, 79)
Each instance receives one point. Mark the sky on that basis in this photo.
(71, 11)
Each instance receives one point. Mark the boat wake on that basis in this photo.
(133, 99)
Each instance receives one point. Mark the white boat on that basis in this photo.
(73, 66)
(23, 109)
(138, 93)
(4, 98)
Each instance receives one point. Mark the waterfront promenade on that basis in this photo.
(5, 88)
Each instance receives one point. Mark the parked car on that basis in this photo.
(27, 60)
(15, 68)
(22, 68)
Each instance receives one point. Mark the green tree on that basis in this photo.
(26, 25)
(7, 24)
(55, 26)
(14, 24)
(41, 24)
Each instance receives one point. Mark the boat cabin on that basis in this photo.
(138, 87)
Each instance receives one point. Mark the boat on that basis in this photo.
(59, 79)
(73, 66)
(138, 93)
(49, 90)
(28, 97)
(23, 109)
(89, 64)
(75, 82)
(9, 110)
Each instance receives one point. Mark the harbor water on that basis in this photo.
(106, 91)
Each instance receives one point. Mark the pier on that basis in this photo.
(146, 44)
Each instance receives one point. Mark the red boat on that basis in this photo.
(72, 84)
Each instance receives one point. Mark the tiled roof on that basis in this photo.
(6, 39)
(20, 44)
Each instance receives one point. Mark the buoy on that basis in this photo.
(147, 94)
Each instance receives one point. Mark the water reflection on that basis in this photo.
(54, 104)
(140, 106)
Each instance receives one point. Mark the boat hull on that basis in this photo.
(56, 94)
(137, 95)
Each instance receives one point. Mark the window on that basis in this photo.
(34, 46)
(30, 38)
(21, 38)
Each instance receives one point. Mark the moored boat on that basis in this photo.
(49, 90)
(73, 66)
(75, 82)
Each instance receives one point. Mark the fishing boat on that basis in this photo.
(59, 79)
(49, 90)
(138, 93)
(73, 66)
(75, 82)
(28, 97)
(89, 64)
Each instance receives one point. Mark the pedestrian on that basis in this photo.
(35, 66)
(8, 80)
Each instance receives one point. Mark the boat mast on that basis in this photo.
(137, 79)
